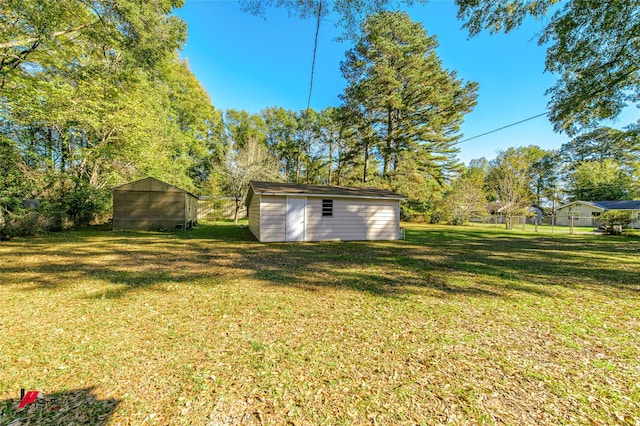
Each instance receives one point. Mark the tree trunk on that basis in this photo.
(389, 144)
(235, 215)
(365, 171)
(298, 161)
(330, 163)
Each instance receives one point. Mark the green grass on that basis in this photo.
(454, 324)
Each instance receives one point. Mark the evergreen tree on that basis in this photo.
(406, 106)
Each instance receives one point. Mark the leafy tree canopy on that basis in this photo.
(600, 180)
(594, 47)
(351, 12)
(600, 144)
(33, 33)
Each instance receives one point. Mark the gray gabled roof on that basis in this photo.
(610, 205)
(275, 188)
(619, 205)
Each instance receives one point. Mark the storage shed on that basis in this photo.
(293, 212)
(150, 204)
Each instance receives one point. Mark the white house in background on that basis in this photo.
(585, 213)
(294, 212)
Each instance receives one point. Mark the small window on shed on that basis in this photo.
(327, 208)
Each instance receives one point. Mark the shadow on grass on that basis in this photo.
(218, 231)
(454, 262)
(445, 262)
(77, 407)
(379, 268)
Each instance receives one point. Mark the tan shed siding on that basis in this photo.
(273, 211)
(254, 216)
(148, 210)
(193, 203)
(353, 219)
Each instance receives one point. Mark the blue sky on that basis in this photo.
(248, 62)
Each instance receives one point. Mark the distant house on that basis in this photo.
(150, 204)
(585, 213)
(494, 214)
(293, 212)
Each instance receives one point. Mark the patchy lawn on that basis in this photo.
(453, 325)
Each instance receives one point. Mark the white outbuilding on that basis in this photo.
(294, 212)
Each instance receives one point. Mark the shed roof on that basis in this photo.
(150, 184)
(610, 205)
(275, 188)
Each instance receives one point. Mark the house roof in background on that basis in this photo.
(610, 205)
(275, 188)
(618, 205)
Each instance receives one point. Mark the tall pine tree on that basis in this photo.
(405, 100)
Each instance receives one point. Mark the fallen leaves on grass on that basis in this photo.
(166, 329)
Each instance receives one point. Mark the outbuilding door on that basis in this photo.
(295, 221)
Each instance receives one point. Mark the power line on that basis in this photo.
(315, 47)
(504, 127)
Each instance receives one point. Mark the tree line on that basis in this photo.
(94, 94)
(601, 165)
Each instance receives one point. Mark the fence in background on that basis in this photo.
(212, 208)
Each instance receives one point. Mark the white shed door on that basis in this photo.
(295, 225)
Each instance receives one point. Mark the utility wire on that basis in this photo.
(504, 127)
(315, 47)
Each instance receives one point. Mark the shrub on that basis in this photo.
(74, 202)
(613, 221)
(417, 211)
(23, 223)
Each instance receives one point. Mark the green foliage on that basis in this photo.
(243, 127)
(546, 181)
(603, 164)
(281, 138)
(14, 185)
(601, 144)
(350, 13)
(600, 180)
(510, 178)
(419, 211)
(593, 48)
(81, 202)
(307, 144)
(611, 219)
(245, 163)
(405, 106)
(41, 32)
(465, 199)
(94, 95)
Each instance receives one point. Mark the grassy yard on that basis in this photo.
(453, 325)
